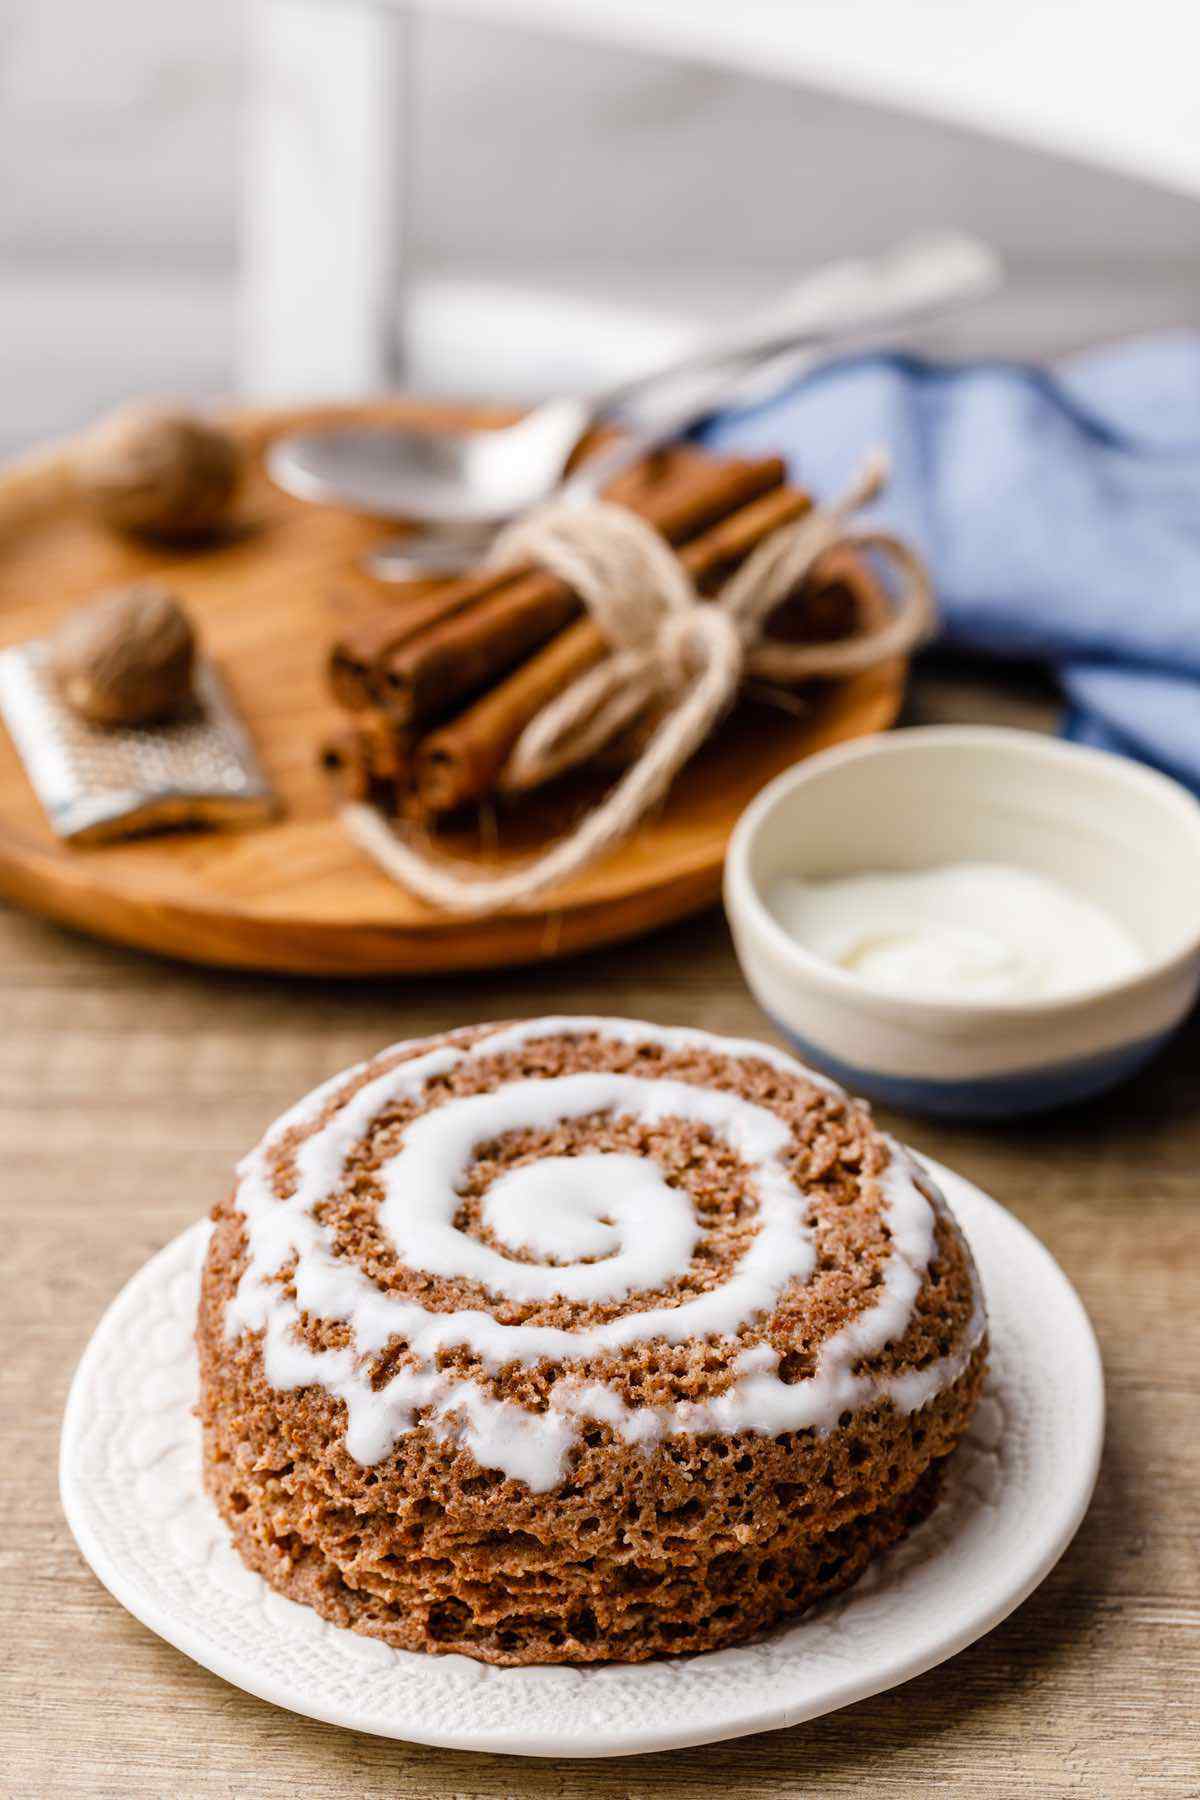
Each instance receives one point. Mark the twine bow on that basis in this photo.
(671, 649)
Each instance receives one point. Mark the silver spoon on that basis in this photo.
(450, 552)
(462, 486)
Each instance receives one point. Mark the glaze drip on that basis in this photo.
(607, 1226)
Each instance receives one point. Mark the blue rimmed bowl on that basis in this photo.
(1123, 835)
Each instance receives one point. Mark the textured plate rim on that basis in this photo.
(1072, 1495)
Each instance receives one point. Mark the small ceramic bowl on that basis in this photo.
(1111, 829)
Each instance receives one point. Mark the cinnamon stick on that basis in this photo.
(342, 759)
(427, 675)
(389, 748)
(415, 607)
(461, 761)
(354, 656)
(371, 757)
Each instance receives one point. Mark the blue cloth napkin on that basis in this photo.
(1059, 510)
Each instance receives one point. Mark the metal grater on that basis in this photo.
(102, 782)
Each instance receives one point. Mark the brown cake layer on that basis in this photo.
(701, 1540)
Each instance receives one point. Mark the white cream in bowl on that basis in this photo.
(968, 930)
(1035, 939)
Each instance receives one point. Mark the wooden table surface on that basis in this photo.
(127, 1089)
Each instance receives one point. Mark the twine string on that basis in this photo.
(669, 648)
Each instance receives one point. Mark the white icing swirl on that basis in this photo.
(610, 1226)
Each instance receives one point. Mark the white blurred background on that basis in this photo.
(632, 188)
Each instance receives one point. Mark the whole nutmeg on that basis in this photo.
(126, 658)
(159, 472)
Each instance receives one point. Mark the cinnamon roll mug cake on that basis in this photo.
(579, 1340)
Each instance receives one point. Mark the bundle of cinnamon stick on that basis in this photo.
(440, 680)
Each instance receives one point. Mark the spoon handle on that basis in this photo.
(837, 306)
(919, 277)
(844, 304)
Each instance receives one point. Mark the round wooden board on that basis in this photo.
(296, 896)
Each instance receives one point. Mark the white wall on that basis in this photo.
(117, 130)
(118, 183)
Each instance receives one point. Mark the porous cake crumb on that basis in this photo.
(435, 1409)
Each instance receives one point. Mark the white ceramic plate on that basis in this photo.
(1018, 1488)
